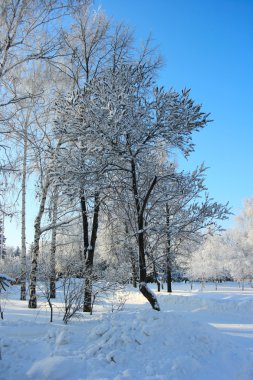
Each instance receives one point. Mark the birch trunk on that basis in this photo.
(168, 253)
(37, 227)
(23, 221)
(53, 245)
(87, 306)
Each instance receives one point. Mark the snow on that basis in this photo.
(198, 335)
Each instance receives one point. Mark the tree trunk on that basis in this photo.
(33, 275)
(155, 277)
(85, 224)
(148, 294)
(168, 253)
(168, 277)
(134, 269)
(87, 306)
(23, 222)
(53, 245)
(37, 226)
(151, 297)
(132, 257)
(141, 246)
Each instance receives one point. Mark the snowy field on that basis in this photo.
(198, 335)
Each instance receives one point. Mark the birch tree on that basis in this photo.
(37, 234)
(30, 31)
(23, 221)
(55, 199)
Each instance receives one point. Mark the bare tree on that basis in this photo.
(30, 31)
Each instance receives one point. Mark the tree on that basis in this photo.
(28, 33)
(55, 198)
(209, 261)
(35, 252)
(244, 220)
(105, 144)
(94, 44)
(188, 212)
(22, 131)
(125, 120)
(239, 242)
(39, 229)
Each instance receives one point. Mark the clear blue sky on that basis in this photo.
(207, 45)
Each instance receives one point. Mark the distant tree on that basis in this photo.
(209, 261)
(240, 244)
(187, 212)
(244, 220)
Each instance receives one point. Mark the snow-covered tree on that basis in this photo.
(209, 261)
(125, 120)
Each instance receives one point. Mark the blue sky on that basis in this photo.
(207, 46)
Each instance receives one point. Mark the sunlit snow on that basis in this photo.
(198, 335)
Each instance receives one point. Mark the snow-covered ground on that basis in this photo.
(198, 335)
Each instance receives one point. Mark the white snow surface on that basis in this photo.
(198, 335)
